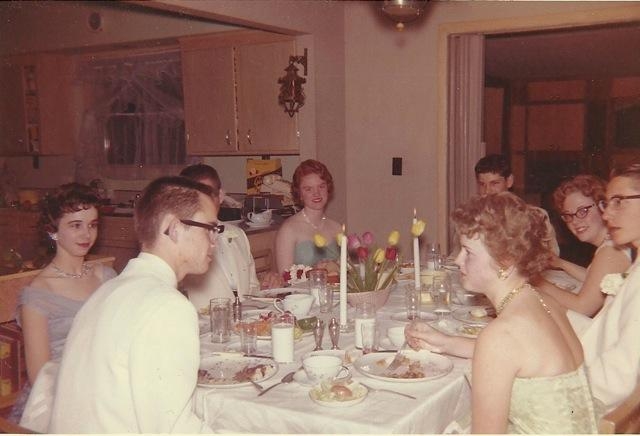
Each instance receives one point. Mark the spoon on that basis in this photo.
(286, 379)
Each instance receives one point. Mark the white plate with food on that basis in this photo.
(269, 295)
(474, 314)
(402, 316)
(338, 395)
(455, 328)
(417, 366)
(234, 371)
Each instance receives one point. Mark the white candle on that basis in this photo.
(343, 278)
(416, 257)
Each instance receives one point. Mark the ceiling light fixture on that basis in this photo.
(403, 11)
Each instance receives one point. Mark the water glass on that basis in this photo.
(321, 292)
(220, 319)
(369, 334)
(365, 314)
(433, 256)
(441, 296)
(282, 338)
(248, 338)
(412, 301)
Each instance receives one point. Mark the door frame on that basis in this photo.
(610, 15)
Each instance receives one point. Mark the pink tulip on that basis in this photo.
(363, 253)
(367, 238)
(353, 242)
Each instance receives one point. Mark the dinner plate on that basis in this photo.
(464, 314)
(258, 225)
(223, 371)
(431, 365)
(323, 398)
(402, 316)
(455, 328)
(269, 295)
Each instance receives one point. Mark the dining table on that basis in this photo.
(288, 408)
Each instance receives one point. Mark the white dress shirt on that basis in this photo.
(131, 359)
(232, 267)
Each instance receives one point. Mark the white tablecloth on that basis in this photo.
(288, 408)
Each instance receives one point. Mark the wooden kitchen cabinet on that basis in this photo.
(117, 238)
(230, 84)
(19, 230)
(34, 105)
(556, 127)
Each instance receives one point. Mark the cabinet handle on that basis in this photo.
(249, 136)
(227, 137)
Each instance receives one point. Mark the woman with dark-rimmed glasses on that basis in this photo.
(610, 340)
(576, 201)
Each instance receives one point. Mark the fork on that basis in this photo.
(396, 362)
(388, 391)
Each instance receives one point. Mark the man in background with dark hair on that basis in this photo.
(131, 360)
(493, 175)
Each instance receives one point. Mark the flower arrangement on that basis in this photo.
(296, 274)
(611, 283)
(370, 268)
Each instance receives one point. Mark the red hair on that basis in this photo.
(310, 166)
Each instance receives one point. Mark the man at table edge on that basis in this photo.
(131, 359)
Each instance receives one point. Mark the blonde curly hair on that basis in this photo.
(513, 232)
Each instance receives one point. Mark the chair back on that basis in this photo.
(625, 418)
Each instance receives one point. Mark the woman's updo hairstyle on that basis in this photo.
(68, 198)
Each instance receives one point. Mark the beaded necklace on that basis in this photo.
(315, 227)
(85, 270)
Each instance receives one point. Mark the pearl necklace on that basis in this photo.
(507, 298)
(306, 218)
(85, 270)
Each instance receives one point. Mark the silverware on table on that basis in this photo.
(388, 391)
(286, 379)
(318, 333)
(256, 385)
(396, 362)
(334, 333)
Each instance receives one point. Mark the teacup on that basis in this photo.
(396, 336)
(298, 304)
(260, 218)
(322, 367)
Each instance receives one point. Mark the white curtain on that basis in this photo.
(134, 112)
(464, 141)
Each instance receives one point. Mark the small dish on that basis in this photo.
(322, 395)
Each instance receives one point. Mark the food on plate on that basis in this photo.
(478, 312)
(219, 376)
(409, 369)
(307, 323)
(263, 324)
(471, 330)
(337, 391)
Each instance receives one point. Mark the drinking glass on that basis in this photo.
(369, 334)
(412, 301)
(365, 314)
(321, 292)
(220, 319)
(282, 338)
(248, 338)
(433, 256)
(441, 296)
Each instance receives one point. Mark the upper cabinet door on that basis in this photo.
(209, 99)
(12, 111)
(263, 126)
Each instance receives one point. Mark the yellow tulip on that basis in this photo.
(418, 228)
(319, 240)
(378, 256)
(394, 237)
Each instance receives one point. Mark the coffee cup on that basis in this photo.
(298, 304)
(322, 367)
(260, 218)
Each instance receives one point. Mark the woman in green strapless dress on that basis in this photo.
(527, 367)
(312, 188)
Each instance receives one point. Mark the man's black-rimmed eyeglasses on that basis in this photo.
(581, 212)
(615, 202)
(213, 228)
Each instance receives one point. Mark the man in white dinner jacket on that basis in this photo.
(131, 359)
(233, 267)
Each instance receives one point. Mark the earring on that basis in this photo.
(502, 274)
(53, 236)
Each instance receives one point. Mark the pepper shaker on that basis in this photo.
(334, 333)
(237, 308)
(318, 333)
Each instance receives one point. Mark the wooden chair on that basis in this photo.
(625, 418)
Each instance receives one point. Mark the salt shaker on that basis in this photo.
(334, 333)
(318, 333)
